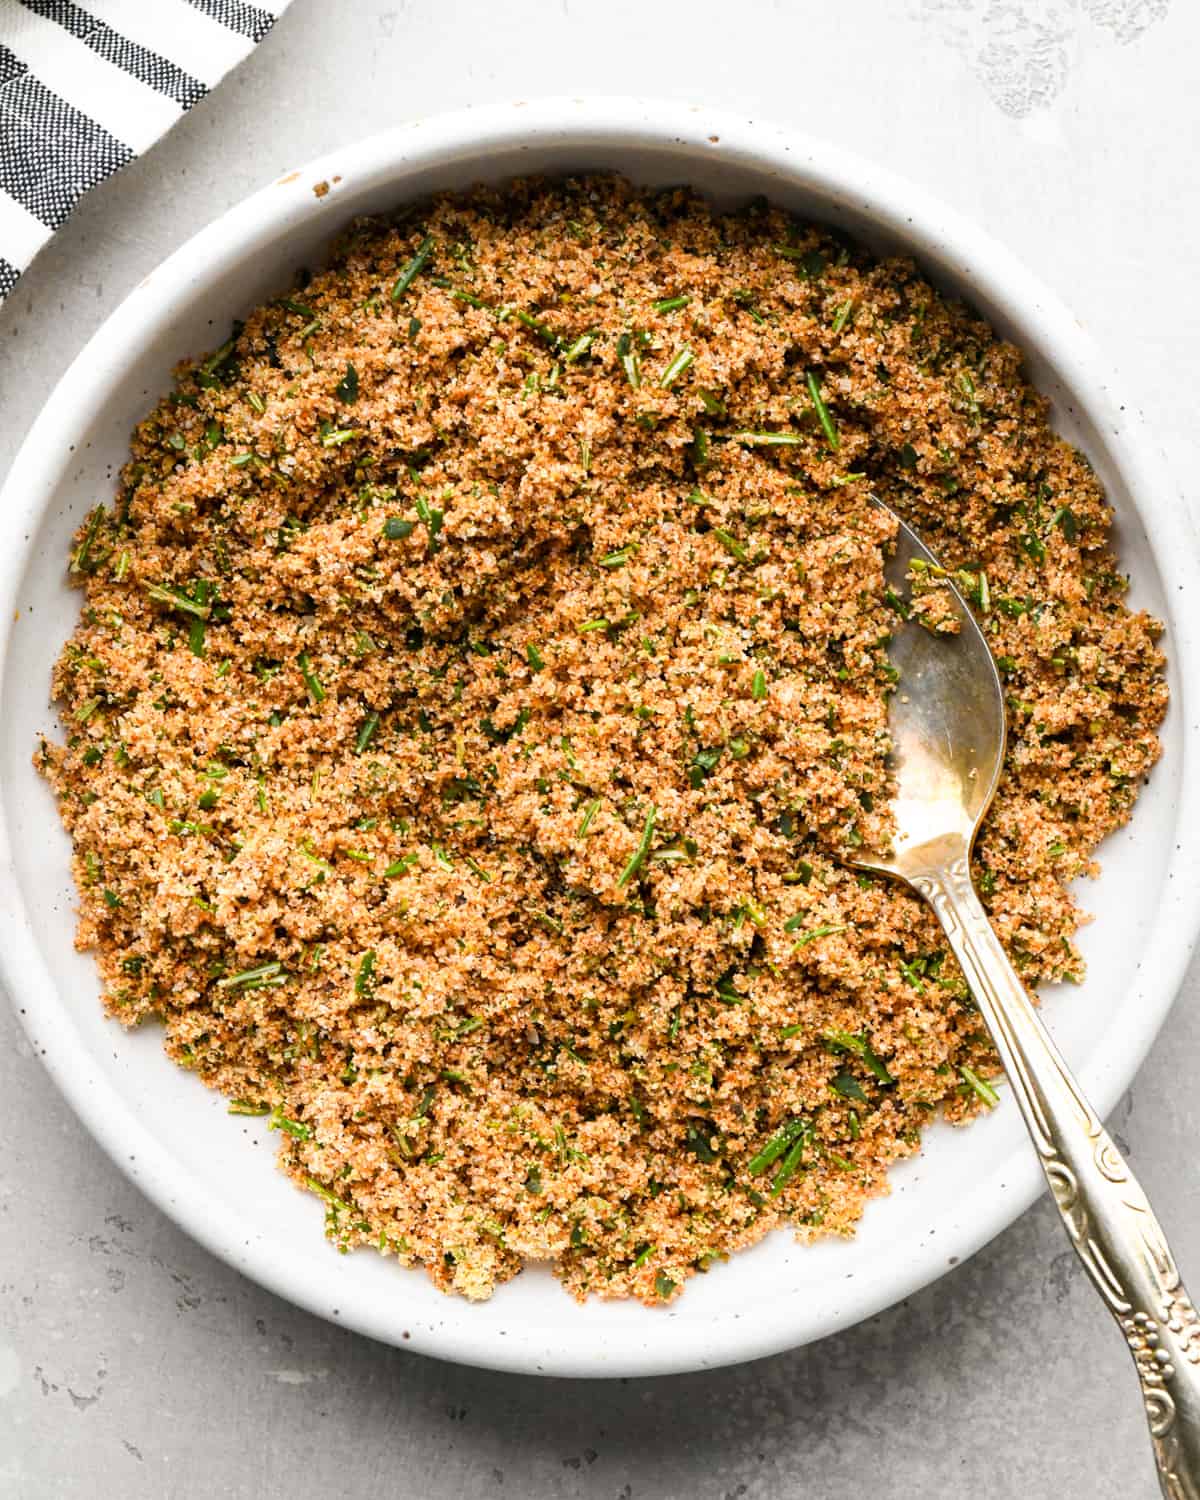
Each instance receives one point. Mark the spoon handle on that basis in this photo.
(1103, 1209)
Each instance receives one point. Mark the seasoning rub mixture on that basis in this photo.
(482, 678)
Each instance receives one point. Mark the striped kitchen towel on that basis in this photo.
(87, 85)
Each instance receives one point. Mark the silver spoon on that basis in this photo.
(946, 719)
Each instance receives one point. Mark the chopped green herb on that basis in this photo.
(431, 518)
(264, 976)
(81, 557)
(347, 387)
(177, 599)
(627, 354)
(859, 1046)
(676, 368)
(767, 439)
(214, 368)
(697, 1141)
(848, 1087)
(790, 1166)
(704, 762)
(458, 293)
(315, 690)
(638, 858)
(335, 1203)
(818, 932)
(731, 544)
(967, 386)
(980, 1086)
(811, 261)
(366, 732)
(782, 1141)
(745, 299)
(578, 348)
(672, 304)
(414, 268)
(822, 411)
(364, 980)
(758, 685)
(589, 812)
(396, 529)
(711, 402)
(297, 1129)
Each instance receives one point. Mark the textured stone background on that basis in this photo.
(134, 1365)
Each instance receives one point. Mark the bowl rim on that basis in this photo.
(904, 211)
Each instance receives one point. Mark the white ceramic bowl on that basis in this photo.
(212, 1172)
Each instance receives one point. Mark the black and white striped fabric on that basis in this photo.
(87, 85)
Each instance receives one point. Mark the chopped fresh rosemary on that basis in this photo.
(414, 268)
(638, 858)
(822, 411)
(818, 932)
(578, 348)
(627, 354)
(676, 368)
(263, 976)
(781, 1142)
(979, 1086)
(860, 1047)
(364, 980)
(177, 599)
(366, 732)
(767, 439)
(315, 690)
(589, 812)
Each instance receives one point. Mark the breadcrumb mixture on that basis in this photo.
(482, 683)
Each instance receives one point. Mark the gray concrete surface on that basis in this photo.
(133, 1366)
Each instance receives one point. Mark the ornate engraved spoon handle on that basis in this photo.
(1103, 1209)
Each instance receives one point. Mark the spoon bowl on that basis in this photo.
(946, 718)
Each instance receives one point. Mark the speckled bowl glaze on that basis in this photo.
(213, 1173)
